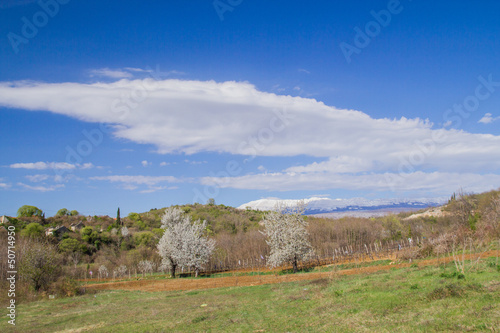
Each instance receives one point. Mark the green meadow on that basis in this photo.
(414, 299)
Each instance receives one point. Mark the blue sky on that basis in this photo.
(145, 104)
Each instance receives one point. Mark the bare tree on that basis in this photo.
(463, 207)
(40, 264)
(183, 243)
(287, 236)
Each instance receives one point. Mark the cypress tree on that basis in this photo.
(118, 220)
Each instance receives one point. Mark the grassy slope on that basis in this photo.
(403, 300)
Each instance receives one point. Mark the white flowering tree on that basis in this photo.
(287, 236)
(183, 244)
(196, 248)
(145, 266)
(124, 231)
(120, 271)
(103, 271)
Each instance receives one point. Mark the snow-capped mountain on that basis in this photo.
(317, 205)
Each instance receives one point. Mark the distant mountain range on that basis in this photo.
(317, 205)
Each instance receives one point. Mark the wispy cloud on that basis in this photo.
(110, 73)
(129, 73)
(41, 188)
(437, 183)
(134, 182)
(37, 178)
(57, 178)
(194, 162)
(304, 71)
(51, 165)
(488, 119)
(4, 186)
(153, 189)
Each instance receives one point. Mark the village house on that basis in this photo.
(77, 226)
(57, 231)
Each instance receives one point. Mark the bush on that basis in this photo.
(65, 286)
(33, 230)
(450, 290)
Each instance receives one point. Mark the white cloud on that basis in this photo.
(111, 73)
(146, 163)
(236, 118)
(37, 178)
(437, 183)
(41, 188)
(51, 165)
(304, 71)
(57, 178)
(44, 166)
(138, 70)
(338, 164)
(131, 72)
(164, 163)
(142, 180)
(4, 186)
(153, 189)
(488, 118)
(134, 182)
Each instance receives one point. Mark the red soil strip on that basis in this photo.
(238, 281)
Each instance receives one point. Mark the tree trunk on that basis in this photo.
(172, 271)
(294, 263)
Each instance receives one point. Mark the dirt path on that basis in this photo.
(237, 281)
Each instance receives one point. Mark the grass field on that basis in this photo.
(425, 299)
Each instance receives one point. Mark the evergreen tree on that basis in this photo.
(118, 220)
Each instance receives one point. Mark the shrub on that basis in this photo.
(450, 290)
(65, 286)
(34, 230)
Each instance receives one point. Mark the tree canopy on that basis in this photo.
(29, 211)
(183, 244)
(287, 237)
(62, 212)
